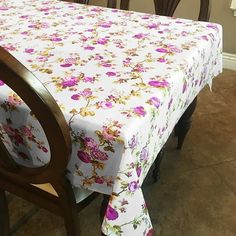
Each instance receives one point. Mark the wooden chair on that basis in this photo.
(167, 8)
(46, 186)
(111, 3)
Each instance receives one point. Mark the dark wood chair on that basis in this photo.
(46, 186)
(167, 8)
(111, 3)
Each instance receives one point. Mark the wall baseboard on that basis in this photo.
(229, 61)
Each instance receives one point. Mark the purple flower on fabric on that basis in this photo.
(90, 143)
(111, 213)
(153, 26)
(110, 73)
(56, 39)
(86, 92)
(144, 154)
(106, 65)
(89, 79)
(105, 104)
(29, 50)
(162, 50)
(1, 83)
(84, 157)
(75, 97)
(133, 186)
(66, 65)
(155, 101)
(212, 26)
(140, 111)
(89, 48)
(133, 142)
(184, 87)
(99, 180)
(69, 83)
(99, 155)
(3, 8)
(102, 41)
(162, 60)
(139, 170)
(139, 36)
(156, 83)
(106, 24)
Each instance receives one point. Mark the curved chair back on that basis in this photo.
(124, 4)
(168, 7)
(50, 117)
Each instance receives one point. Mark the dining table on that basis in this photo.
(121, 78)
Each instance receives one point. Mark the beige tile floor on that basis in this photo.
(196, 195)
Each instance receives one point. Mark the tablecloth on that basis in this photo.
(122, 80)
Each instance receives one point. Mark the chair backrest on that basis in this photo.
(45, 109)
(168, 7)
(124, 4)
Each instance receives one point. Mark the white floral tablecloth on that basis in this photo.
(122, 80)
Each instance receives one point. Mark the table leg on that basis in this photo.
(157, 164)
(4, 217)
(184, 124)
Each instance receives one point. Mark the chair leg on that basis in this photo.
(157, 165)
(184, 124)
(4, 215)
(68, 207)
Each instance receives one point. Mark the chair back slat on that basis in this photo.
(168, 7)
(44, 107)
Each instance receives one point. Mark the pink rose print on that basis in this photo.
(162, 60)
(56, 39)
(162, 50)
(69, 82)
(150, 232)
(133, 186)
(99, 180)
(89, 142)
(140, 111)
(3, 8)
(90, 48)
(102, 41)
(111, 213)
(105, 105)
(86, 92)
(89, 79)
(66, 65)
(99, 155)
(110, 73)
(153, 26)
(155, 101)
(140, 36)
(84, 157)
(158, 84)
(75, 97)
(1, 83)
(106, 24)
(29, 50)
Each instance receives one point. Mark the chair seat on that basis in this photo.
(80, 194)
